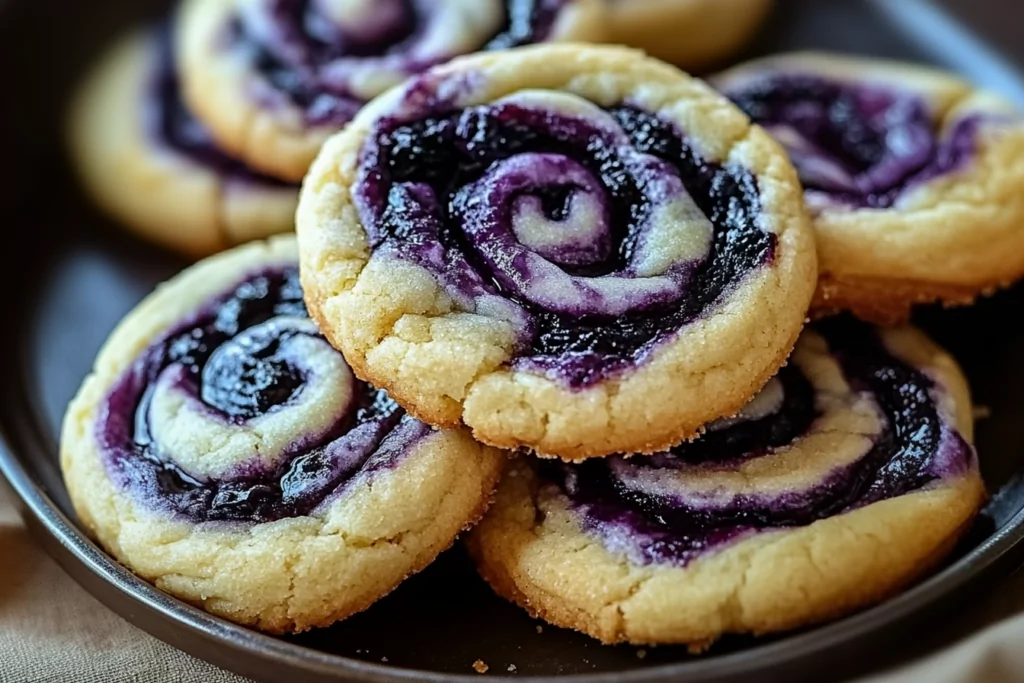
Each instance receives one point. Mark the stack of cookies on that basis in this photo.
(643, 337)
(196, 133)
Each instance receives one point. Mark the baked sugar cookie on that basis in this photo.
(147, 161)
(849, 476)
(222, 450)
(914, 177)
(692, 34)
(574, 249)
(274, 78)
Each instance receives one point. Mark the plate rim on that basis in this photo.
(34, 504)
(64, 541)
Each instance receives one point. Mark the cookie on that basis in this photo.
(850, 475)
(574, 249)
(273, 80)
(148, 162)
(692, 34)
(914, 177)
(222, 450)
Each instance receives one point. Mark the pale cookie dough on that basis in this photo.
(915, 178)
(223, 450)
(850, 476)
(150, 164)
(692, 34)
(574, 249)
(274, 82)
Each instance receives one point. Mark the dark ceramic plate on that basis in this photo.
(78, 275)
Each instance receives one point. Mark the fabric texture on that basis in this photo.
(52, 631)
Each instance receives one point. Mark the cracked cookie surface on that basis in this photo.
(147, 161)
(574, 249)
(849, 476)
(914, 177)
(222, 450)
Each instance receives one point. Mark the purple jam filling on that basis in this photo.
(750, 438)
(420, 177)
(863, 146)
(175, 127)
(250, 381)
(526, 22)
(305, 41)
(914, 449)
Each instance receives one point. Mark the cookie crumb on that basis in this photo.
(640, 654)
(982, 412)
(511, 668)
(480, 666)
(540, 629)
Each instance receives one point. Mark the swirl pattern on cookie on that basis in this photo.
(863, 440)
(149, 162)
(247, 414)
(901, 156)
(238, 431)
(304, 68)
(541, 249)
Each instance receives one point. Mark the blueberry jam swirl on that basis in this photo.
(173, 126)
(246, 414)
(596, 233)
(802, 451)
(859, 145)
(329, 58)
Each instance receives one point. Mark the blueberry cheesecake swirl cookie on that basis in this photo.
(692, 34)
(223, 450)
(274, 78)
(573, 249)
(914, 177)
(148, 162)
(847, 477)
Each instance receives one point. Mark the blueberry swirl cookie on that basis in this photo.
(692, 34)
(848, 476)
(274, 78)
(151, 164)
(223, 450)
(574, 249)
(915, 178)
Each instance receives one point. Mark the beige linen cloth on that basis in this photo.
(53, 631)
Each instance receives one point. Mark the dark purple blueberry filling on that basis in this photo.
(293, 61)
(250, 381)
(526, 22)
(903, 458)
(250, 384)
(175, 127)
(750, 438)
(415, 191)
(862, 145)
